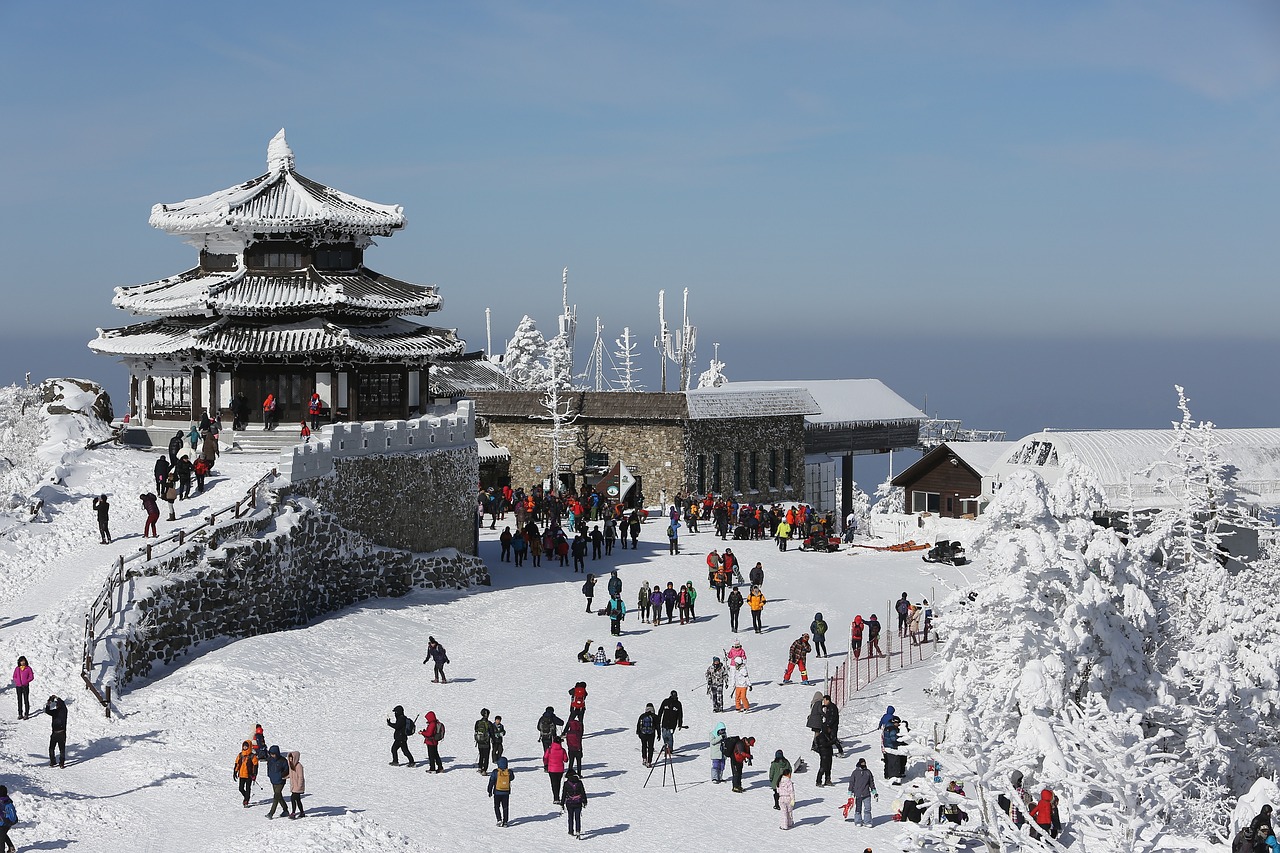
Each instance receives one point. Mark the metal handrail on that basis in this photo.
(101, 607)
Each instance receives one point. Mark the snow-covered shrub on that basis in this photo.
(523, 361)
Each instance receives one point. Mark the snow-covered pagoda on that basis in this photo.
(282, 303)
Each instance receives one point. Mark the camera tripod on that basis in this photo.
(667, 767)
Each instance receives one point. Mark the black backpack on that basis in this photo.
(728, 745)
(646, 724)
(407, 726)
(546, 725)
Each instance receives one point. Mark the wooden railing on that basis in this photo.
(111, 600)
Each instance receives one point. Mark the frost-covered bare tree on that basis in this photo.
(626, 356)
(562, 434)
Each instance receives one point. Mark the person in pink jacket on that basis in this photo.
(553, 761)
(297, 786)
(22, 678)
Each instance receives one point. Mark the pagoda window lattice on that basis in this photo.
(172, 393)
(335, 258)
(381, 395)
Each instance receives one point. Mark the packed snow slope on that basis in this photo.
(158, 774)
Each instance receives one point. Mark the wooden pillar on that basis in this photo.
(353, 393)
(134, 391)
(404, 394)
(149, 398)
(197, 387)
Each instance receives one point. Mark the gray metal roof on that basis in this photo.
(848, 402)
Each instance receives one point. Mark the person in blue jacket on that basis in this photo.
(278, 773)
(616, 610)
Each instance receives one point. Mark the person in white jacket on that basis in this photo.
(786, 798)
(741, 684)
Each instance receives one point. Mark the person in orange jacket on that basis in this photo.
(245, 771)
(756, 602)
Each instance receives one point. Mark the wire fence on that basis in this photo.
(896, 652)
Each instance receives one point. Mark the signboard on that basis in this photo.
(625, 480)
(617, 483)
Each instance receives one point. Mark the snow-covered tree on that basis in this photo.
(559, 362)
(713, 376)
(524, 361)
(889, 498)
(626, 355)
(562, 434)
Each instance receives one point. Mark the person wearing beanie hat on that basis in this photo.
(717, 681)
(646, 730)
(500, 790)
(777, 767)
(717, 753)
(484, 741)
(670, 718)
(620, 656)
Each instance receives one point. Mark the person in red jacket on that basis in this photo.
(573, 740)
(432, 735)
(578, 701)
(741, 755)
(1045, 814)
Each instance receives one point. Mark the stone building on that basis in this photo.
(280, 302)
(749, 443)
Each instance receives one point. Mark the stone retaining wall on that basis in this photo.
(272, 572)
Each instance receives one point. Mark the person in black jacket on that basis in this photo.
(597, 542)
(830, 716)
(57, 711)
(589, 590)
(670, 718)
(103, 508)
(579, 550)
(162, 473)
(437, 654)
(646, 730)
(175, 445)
(548, 724)
(735, 606)
(403, 727)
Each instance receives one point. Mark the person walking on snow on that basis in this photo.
(873, 638)
(756, 575)
(644, 601)
(278, 774)
(647, 730)
(578, 701)
(597, 542)
(777, 768)
(902, 607)
(573, 799)
(23, 675)
(8, 819)
(716, 743)
(554, 761)
(819, 630)
(673, 538)
(152, 508)
(484, 741)
(855, 636)
(735, 607)
(579, 549)
(402, 726)
(505, 541)
(615, 584)
(500, 791)
(741, 686)
(573, 745)
(431, 736)
(589, 589)
(756, 602)
(717, 681)
(438, 656)
(862, 787)
(548, 725)
(245, 771)
(691, 604)
(796, 658)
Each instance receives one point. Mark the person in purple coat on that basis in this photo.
(655, 602)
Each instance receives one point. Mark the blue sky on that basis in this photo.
(967, 200)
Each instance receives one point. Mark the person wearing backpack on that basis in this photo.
(431, 736)
(548, 725)
(578, 701)
(616, 611)
(437, 654)
(819, 630)
(673, 538)
(716, 742)
(500, 791)
(484, 741)
(589, 589)
(902, 607)
(402, 726)
(245, 771)
(573, 800)
(646, 730)
(8, 818)
(278, 774)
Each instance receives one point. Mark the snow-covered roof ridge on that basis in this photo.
(848, 402)
(1130, 462)
(279, 201)
(731, 401)
(246, 292)
(981, 456)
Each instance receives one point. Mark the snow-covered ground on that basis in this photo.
(157, 775)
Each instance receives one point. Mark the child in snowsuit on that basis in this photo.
(787, 796)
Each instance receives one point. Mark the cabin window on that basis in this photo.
(172, 392)
(786, 467)
(773, 469)
(926, 502)
(737, 470)
(753, 472)
(715, 473)
(702, 474)
(969, 506)
(335, 258)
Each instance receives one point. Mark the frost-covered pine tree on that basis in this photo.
(559, 362)
(888, 498)
(524, 361)
(562, 434)
(626, 356)
(713, 376)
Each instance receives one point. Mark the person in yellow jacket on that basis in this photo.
(783, 532)
(245, 770)
(756, 601)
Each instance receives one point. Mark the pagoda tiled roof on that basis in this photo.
(243, 293)
(391, 340)
(280, 201)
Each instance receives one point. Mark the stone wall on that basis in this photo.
(769, 438)
(653, 451)
(412, 501)
(270, 572)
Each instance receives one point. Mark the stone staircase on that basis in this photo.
(156, 435)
